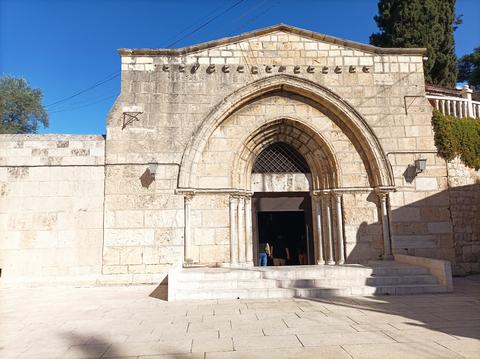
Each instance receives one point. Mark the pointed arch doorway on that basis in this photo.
(281, 206)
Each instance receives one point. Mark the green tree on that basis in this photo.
(21, 109)
(421, 23)
(469, 68)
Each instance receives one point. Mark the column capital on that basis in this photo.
(321, 193)
(188, 196)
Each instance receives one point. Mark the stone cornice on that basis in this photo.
(267, 30)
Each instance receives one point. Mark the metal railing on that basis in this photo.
(456, 106)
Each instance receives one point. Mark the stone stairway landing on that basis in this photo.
(377, 278)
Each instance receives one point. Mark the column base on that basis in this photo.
(188, 262)
(321, 263)
(330, 263)
(388, 257)
(340, 262)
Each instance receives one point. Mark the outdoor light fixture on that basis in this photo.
(420, 165)
(152, 167)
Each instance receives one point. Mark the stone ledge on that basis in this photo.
(440, 269)
(50, 137)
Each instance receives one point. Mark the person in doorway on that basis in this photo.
(302, 253)
(280, 252)
(264, 253)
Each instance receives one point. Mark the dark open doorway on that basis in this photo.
(284, 221)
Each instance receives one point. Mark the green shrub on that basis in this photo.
(457, 137)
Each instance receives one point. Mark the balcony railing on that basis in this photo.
(456, 106)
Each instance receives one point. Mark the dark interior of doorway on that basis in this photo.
(285, 229)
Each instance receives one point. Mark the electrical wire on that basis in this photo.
(110, 78)
(84, 105)
(116, 74)
(206, 23)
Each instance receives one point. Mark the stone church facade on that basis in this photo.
(177, 179)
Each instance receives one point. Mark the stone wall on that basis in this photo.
(464, 195)
(143, 220)
(421, 224)
(51, 208)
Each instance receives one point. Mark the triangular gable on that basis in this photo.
(267, 31)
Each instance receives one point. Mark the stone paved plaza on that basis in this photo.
(132, 322)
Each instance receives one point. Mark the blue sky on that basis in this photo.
(66, 46)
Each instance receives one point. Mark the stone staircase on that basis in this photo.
(378, 278)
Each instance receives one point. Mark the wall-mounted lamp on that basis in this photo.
(152, 167)
(420, 165)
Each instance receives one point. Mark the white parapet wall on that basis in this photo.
(51, 209)
(440, 269)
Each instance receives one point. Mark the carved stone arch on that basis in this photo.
(377, 165)
(318, 154)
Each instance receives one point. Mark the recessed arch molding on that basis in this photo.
(378, 166)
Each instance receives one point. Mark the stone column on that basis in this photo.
(318, 225)
(327, 202)
(248, 232)
(387, 244)
(187, 248)
(233, 231)
(241, 230)
(256, 238)
(467, 94)
(337, 199)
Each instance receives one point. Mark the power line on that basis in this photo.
(206, 23)
(84, 105)
(111, 77)
(194, 24)
(116, 74)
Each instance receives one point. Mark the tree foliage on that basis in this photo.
(469, 68)
(21, 109)
(421, 23)
(457, 137)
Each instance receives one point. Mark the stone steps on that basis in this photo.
(387, 278)
(369, 281)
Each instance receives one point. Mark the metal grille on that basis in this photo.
(280, 158)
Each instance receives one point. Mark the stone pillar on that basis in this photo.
(387, 244)
(233, 231)
(256, 238)
(187, 248)
(241, 229)
(467, 94)
(327, 202)
(337, 199)
(318, 226)
(248, 231)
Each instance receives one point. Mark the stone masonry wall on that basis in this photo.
(421, 223)
(51, 208)
(464, 195)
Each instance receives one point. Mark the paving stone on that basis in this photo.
(212, 345)
(270, 342)
(326, 352)
(417, 335)
(469, 348)
(400, 351)
(150, 348)
(86, 351)
(313, 340)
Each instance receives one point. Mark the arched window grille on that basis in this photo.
(280, 158)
